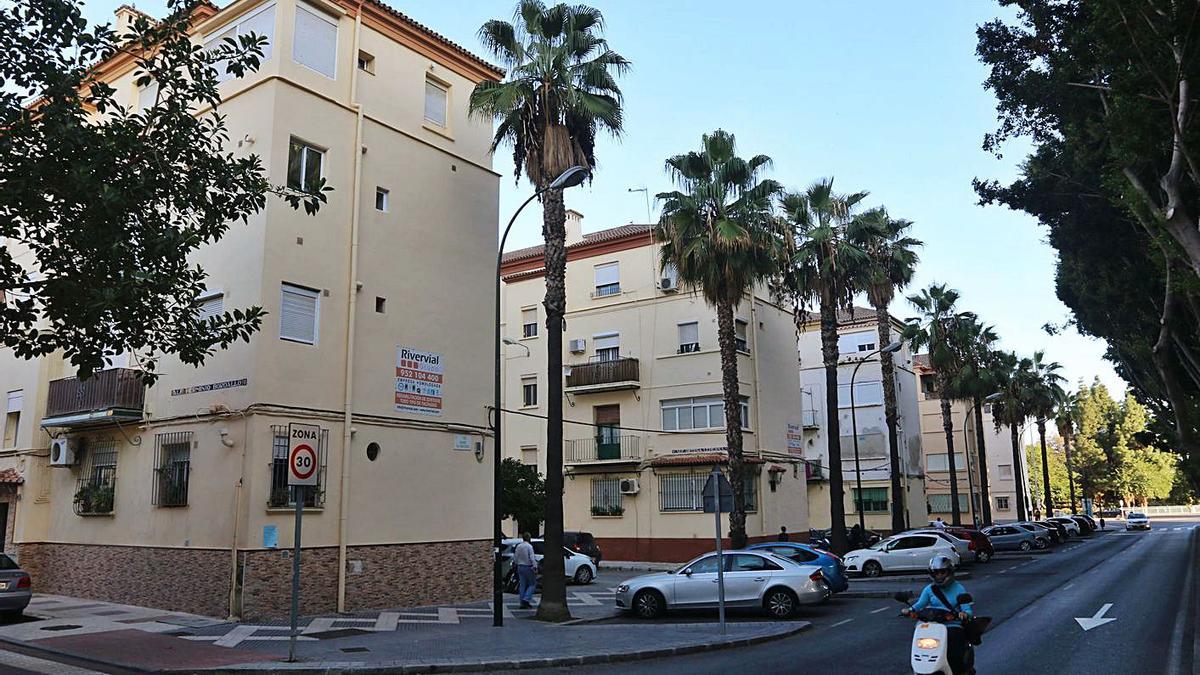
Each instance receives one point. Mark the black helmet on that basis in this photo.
(941, 566)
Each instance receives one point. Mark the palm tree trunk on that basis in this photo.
(884, 323)
(733, 422)
(553, 606)
(833, 431)
(981, 450)
(1049, 503)
(1018, 475)
(948, 428)
(1070, 470)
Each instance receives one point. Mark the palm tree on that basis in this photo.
(718, 232)
(974, 381)
(561, 90)
(891, 260)
(1012, 409)
(821, 267)
(1044, 394)
(935, 330)
(1066, 411)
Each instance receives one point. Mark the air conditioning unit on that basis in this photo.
(668, 284)
(629, 486)
(64, 451)
(577, 346)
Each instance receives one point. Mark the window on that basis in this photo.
(608, 280)
(940, 462)
(1002, 504)
(260, 22)
(529, 391)
(315, 41)
(739, 336)
(744, 562)
(874, 500)
(381, 199)
(750, 490)
(689, 337)
(298, 314)
(529, 322)
(380, 305)
(436, 97)
(147, 95)
(529, 455)
(172, 465)
(929, 385)
(608, 347)
(211, 304)
(12, 417)
(1005, 470)
(865, 394)
(95, 492)
(305, 166)
(366, 62)
(941, 503)
(282, 495)
(681, 492)
(857, 343)
(707, 412)
(707, 565)
(606, 497)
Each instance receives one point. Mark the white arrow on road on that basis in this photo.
(1088, 623)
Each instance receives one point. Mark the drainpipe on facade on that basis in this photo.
(752, 333)
(352, 293)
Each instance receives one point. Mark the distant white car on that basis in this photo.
(1137, 521)
(1071, 525)
(899, 553)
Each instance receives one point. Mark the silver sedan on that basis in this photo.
(752, 579)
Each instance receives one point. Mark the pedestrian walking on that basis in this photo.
(1102, 522)
(783, 535)
(526, 562)
(857, 540)
(939, 524)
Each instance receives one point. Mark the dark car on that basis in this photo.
(1063, 533)
(1086, 526)
(980, 544)
(585, 543)
(821, 538)
(1055, 536)
(16, 588)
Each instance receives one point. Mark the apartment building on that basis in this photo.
(858, 345)
(378, 326)
(643, 413)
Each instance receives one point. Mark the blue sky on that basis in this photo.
(884, 96)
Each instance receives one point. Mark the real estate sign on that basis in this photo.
(795, 440)
(419, 381)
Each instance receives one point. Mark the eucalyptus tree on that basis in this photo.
(561, 91)
(1012, 409)
(718, 231)
(975, 381)
(1044, 392)
(823, 266)
(891, 260)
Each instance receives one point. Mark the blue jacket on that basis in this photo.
(930, 601)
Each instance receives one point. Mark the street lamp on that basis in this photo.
(567, 179)
(513, 343)
(890, 349)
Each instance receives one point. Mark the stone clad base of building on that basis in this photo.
(678, 550)
(197, 580)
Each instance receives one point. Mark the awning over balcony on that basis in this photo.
(604, 375)
(10, 477)
(700, 458)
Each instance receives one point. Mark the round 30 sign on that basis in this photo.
(302, 454)
(303, 462)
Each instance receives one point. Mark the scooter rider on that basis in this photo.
(941, 570)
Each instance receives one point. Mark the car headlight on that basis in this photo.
(927, 643)
(623, 588)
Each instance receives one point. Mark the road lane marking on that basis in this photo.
(841, 623)
(1068, 585)
(881, 609)
(1097, 619)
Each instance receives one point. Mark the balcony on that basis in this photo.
(809, 419)
(109, 395)
(603, 375)
(603, 450)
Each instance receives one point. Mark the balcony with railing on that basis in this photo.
(603, 449)
(115, 394)
(606, 374)
(809, 419)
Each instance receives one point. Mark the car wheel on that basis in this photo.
(649, 604)
(872, 569)
(983, 556)
(1025, 546)
(780, 603)
(1040, 544)
(583, 576)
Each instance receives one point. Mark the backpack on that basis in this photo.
(973, 627)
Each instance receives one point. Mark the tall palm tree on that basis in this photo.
(717, 230)
(821, 268)
(1011, 409)
(935, 330)
(1065, 413)
(974, 381)
(1044, 394)
(560, 92)
(891, 261)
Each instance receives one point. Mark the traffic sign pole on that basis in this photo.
(304, 440)
(715, 481)
(298, 493)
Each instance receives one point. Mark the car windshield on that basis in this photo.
(6, 563)
(1137, 515)
(878, 546)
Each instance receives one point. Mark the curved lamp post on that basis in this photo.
(858, 503)
(568, 179)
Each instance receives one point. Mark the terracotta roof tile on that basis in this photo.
(700, 459)
(592, 238)
(11, 476)
(436, 35)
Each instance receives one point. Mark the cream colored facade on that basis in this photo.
(413, 275)
(666, 341)
(858, 338)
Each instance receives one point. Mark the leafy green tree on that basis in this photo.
(1064, 421)
(823, 266)
(524, 495)
(101, 206)
(718, 232)
(561, 91)
(891, 260)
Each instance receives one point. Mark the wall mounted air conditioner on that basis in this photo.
(629, 486)
(64, 451)
(668, 284)
(577, 346)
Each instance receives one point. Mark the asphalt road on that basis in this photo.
(1034, 601)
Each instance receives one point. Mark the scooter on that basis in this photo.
(930, 644)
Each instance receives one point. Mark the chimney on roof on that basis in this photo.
(126, 15)
(574, 227)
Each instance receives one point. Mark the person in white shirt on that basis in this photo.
(939, 524)
(526, 562)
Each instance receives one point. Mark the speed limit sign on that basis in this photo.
(304, 439)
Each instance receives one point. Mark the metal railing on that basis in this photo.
(622, 369)
(809, 419)
(94, 496)
(105, 390)
(604, 449)
(689, 348)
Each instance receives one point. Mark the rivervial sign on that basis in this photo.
(418, 381)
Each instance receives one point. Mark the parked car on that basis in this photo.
(981, 545)
(1055, 537)
(16, 588)
(1010, 538)
(579, 568)
(585, 543)
(1091, 520)
(1063, 533)
(806, 554)
(961, 544)
(1071, 526)
(1086, 526)
(1041, 537)
(752, 579)
(1137, 521)
(900, 552)
(820, 538)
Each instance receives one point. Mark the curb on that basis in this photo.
(865, 594)
(958, 574)
(69, 655)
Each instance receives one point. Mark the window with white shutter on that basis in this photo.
(608, 280)
(147, 95)
(315, 42)
(298, 312)
(211, 304)
(261, 23)
(529, 322)
(437, 97)
(12, 419)
(608, 347)
(15, 400)
(689, 337)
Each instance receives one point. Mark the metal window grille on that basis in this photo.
(750, 492)
(96, 491)
(606, 497)
(172, 468)
(281, 495)
(681, 492)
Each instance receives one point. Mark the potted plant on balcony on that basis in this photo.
(93, 498)
(279, 497)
